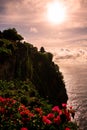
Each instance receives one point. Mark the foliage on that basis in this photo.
(4, 47)
(11, 34)
(42, 49)
(16, 116)
(19, 90)
(31, 83)
(4, 50)
(23, 61)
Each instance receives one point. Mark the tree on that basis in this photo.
(11, 34)
(42, 49)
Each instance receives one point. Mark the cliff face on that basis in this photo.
(20, 60)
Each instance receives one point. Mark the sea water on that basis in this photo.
(72, 62)
(75, 77)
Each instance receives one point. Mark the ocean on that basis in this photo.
(75, 77)
(72, 61)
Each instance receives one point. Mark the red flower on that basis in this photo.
(8, 99)
(2, 109)
(21, 108)
(13, 101)
(64, 105)
(31, 114)
(45, 120)
(23, 128)
(39, 110)
(55, 109)
(24, 111)
(67, 128)
(2, 99)
(67, 114)
(60, 112)
(50, 116)
(57, 120)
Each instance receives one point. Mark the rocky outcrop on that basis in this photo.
(23, 61)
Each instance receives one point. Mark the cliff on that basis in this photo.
(22, 61)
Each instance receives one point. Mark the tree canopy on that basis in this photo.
(11, 34)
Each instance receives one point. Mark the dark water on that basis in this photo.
(75, 77)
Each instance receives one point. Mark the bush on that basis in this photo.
(16, 116)
(11, 34)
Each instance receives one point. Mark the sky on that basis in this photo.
(29, 17)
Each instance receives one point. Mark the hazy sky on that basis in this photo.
(29, 17)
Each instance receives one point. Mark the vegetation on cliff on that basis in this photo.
(30, 85)
(16, 116)
(22, 61)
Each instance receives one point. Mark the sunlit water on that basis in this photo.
(75, 77)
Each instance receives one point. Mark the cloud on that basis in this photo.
(73, 55)
(33, 30)
(35, 11)
(6, 5)
(29, 17)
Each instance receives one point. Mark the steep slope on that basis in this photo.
(22, 61)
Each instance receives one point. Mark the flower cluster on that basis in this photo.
(59, 117)
(14, 115)
(25, 114)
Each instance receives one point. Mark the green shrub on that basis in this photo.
(24, 100)
(16, 116)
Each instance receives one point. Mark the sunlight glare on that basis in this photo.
(56, 12)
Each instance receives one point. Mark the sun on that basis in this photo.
(56, 12)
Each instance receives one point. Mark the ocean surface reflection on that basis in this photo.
(75, 77)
